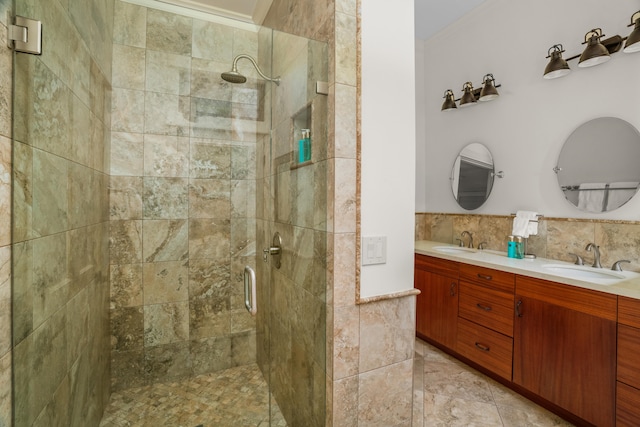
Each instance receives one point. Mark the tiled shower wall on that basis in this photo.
(6, 63)
(557, 238)
(60, 217)
(182, 197)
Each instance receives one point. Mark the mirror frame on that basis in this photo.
(479, 166)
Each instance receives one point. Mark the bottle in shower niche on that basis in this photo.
(304, 146)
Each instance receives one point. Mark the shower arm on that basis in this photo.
(234, 67)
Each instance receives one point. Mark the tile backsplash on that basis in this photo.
(557, 238)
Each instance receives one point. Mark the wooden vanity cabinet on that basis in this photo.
(485, 324)
(565, 347)
(437, 303)
(628, 385)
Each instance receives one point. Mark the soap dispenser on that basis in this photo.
(304, 146)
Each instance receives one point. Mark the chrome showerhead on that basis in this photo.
(234, 76)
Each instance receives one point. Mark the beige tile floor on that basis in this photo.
(233, 397)
(449, 393)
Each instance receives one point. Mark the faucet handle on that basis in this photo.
(579, 260)
(616, 265)
(482, 245)
(460, 243)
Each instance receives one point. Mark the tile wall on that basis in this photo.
(6, 70)
(557, 238)
(60, 217)
(182, 196)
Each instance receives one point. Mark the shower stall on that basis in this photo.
(145, 187)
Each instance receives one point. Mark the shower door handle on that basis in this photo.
(250, 300)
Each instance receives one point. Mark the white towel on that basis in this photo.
(591, 196)
(620, 193)
(525, 224)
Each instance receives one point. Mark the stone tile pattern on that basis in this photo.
(362, 351)
(182, 197)
(60, 233)
(556, 238)
(236, 396)
(292, 200)
(449, 393)
(6, 64)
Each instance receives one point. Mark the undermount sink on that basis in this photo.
(455, 249)
(582, 272)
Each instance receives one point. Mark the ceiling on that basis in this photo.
(431, 15)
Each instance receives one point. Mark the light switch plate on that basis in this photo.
(374, 250)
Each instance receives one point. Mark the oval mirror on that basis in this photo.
(472, 176)
(598, 165)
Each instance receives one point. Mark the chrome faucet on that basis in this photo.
(596, 254)
(466, 233)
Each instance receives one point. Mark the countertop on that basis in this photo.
(628, 286)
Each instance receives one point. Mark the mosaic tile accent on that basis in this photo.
(235, 396)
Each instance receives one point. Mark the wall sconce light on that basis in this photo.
(633, 40)
(449, 101)
(597, 51)
(471, 96)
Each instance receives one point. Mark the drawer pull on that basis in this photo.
(484, 276)
(519, 308)
(453, 289)
(483, 307)
(483, 347)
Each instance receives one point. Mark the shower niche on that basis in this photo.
(302, 137)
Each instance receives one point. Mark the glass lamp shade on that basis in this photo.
(557, 66)
(594, 54)
(633, 41)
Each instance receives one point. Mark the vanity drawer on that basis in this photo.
(487, 348)
(500, 280)
(628, 350)
(439, 266)
(629, 311)
(627, 405)
(487, 307)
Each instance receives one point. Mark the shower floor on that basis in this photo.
(233, 397)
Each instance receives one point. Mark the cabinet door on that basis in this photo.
(564, 351)
(437, 308)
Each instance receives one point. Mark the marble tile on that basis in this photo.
(243, 199)
(345, 195)
(456, 380)
(50, 203)
(383, 402)
(165, 198)
(209, 317)
(165, 323)
(50, 276)
(387, 329)
(6, 400)
(243, 348)
(619, 242)
(243, 237)
(210, 159)
(211, 118)
(345, 121)
(168, 73)
(130, 24)
(127, 154)
(165, 240)
(125, 197)
(210, 198)
(453, 411)
(5, 189)
(126, 285)
(565, 237)
(128, 369)
(128, 110)
(344, 267)
(168, 362)
(166, 156)
(5, 300)
(442, 229)
(345, 401)
(211, 354)
(210, 278)
(126, 242)
(346, 55)
(22, 203)
(209, 238)
(127, 329)
(165, 282)
(168, 32)
(129, 70)
(346, 342)
(6, 62)
(213, 41)
(206, 81)
(166, 114)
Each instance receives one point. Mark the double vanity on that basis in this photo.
(563, 335)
